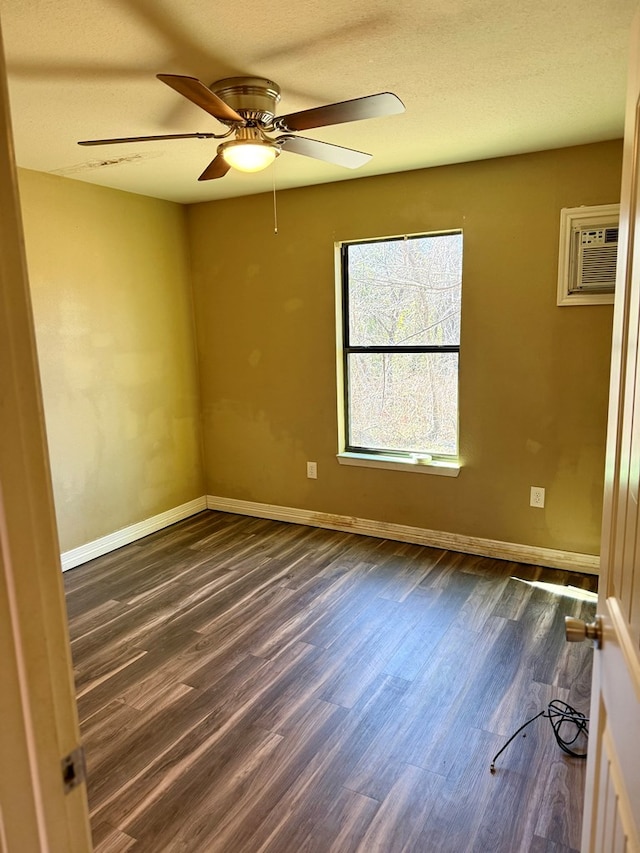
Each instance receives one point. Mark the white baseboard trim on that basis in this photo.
(514, 552)
(84, 553)
(555, 559)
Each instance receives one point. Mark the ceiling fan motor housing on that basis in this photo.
(254, 98)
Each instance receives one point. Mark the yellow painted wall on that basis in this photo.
(110, 282)
(533, 376)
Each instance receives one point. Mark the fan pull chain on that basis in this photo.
(275, 207)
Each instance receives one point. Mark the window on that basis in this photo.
(401, 343)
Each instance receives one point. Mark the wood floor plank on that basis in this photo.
(331, 612)
(244, 823)
(212, 717)
(248, 685)
(300, 817)
(153, 736)
(342, 826)
(449, 699)
(164, 660)
(216, 776)
(347, 751)
(560, 807)
(427, 624)
(379, 633)
(543, 845)
(104, 730)
(398, 823)
(108, 839)
(461, 800)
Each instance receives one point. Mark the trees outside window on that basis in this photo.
(401, 302)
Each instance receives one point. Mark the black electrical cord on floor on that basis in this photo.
(561, 716)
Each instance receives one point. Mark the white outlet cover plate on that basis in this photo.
(537, 497)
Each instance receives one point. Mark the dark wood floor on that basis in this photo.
(246, 685)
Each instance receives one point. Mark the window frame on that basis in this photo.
(350, 454)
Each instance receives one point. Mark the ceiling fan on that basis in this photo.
(247, 105)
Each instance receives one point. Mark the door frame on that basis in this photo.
(620, 673)
(37, 696)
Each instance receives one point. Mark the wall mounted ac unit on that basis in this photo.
(588, 254)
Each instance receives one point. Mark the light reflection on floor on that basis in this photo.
(559, 589)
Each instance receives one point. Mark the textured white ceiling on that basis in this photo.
(479, 78)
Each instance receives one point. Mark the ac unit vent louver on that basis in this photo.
(588, 254)
(594, 260)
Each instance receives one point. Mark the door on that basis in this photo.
(612, 799)
(37, 704)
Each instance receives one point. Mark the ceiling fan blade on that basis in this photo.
(371, 106)
(201, 96)
(335, 154)
(147, 138)
(217, 168)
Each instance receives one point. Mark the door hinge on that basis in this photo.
(74, 770)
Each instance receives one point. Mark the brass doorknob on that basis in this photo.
(577, 630)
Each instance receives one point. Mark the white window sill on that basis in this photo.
(392, 463)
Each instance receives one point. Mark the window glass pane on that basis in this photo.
(404, 401)
(405, 291)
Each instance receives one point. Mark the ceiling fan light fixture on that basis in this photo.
(249, 155)
(247, 107)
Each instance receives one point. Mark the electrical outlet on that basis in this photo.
(537, 497)
(312, 470)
